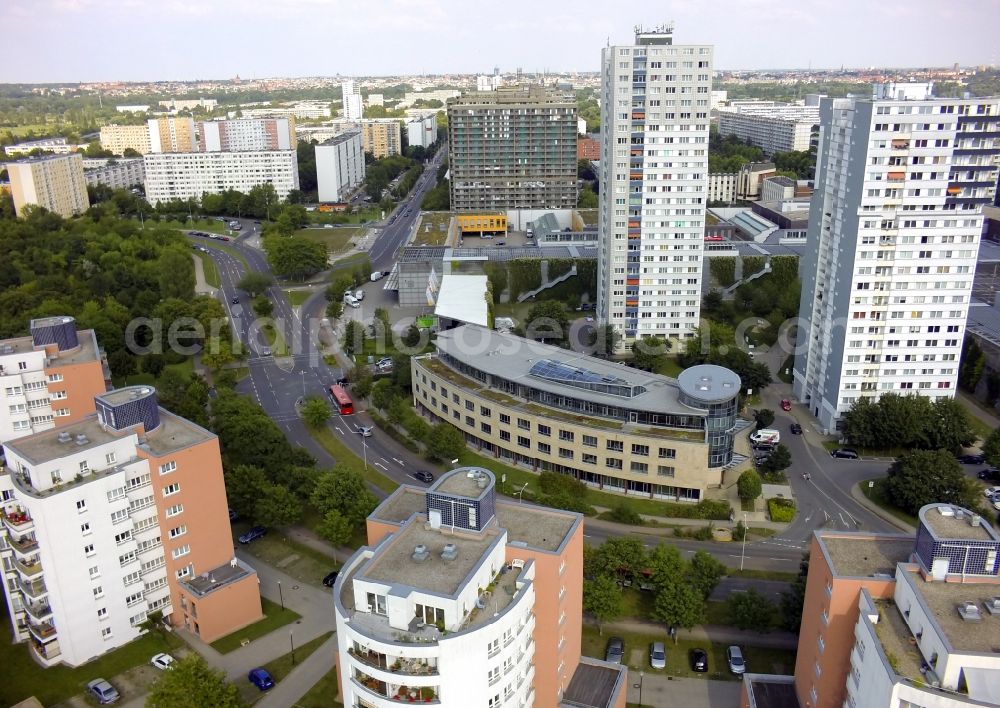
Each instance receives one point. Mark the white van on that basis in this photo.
(351, 301)
(377, 275)
(766, 436)
(359, 295)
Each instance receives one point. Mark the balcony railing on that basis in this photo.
(34, 589)
(39, 612)
(43, 631)
(18, 521)
(23, 545)
(29, 569)
(409, 667)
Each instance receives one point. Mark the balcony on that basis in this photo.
(400, 665)
(47, 654)
(34, 590)
(43, 631)
(29, 568)
(38, 610)
(18, 521)
(23, 546)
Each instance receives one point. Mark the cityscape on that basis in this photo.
(671, 379)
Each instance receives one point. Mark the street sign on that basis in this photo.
(871, 484)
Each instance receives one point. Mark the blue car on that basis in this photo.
(253, 534)
(260, 678)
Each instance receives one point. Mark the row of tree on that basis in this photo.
(912, 421)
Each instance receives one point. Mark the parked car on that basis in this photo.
(232, 515)
(734, 657)
(265, 351)
(796, 429)
(162, 661)
(103, 691)
(699, 660)
(253, 534)
(359, 295)
(989, 474)
(330, 578)
(424, 476)
(786, 405)
(260, 678)
(973, 459)
(615, 650)
(845, 453)
(657, 656)
(342, 381)
(991, 492)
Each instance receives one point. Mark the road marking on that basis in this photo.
(338, 429)
(842, 520)
(399, 462)
(379, 464)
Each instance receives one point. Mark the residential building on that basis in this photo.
(422, 131)
(550, 409)
(119, 138)
(114, 517)
(53, 182)
(461, 594)
(340, 166)
(777, 189)
(49, 378)
(133, 108)
(588, 148)
(353, 106)
(123, 173)
(513, 148)
(898, 620)
(718, 98)
(175, 104)
(742, 186)
(651, 93)
(772, 128)
(172, 135)
(59, 146)
(581, 126)
(894, 230)
(442, 95)
(188, 175)
(307, 110)
(488, 82)
(375, 99)
(381, 137)
(247, 134)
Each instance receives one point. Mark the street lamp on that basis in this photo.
(364, 450)
(641, 674)
(744, 551)
(281, 597)
(303, 384)
(521, 491)
(291, 641)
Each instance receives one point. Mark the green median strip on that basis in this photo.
(211, 271)
(327, 439)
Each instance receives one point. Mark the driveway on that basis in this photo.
(687, 692)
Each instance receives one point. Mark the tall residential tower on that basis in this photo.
(894, 227)
(353, 106)
(654, 175)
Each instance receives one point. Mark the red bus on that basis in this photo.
(343, 402)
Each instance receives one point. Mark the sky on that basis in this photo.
(147, 40)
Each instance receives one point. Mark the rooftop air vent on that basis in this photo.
(974, 520)
(64, 437)
(946, 511)
(420, 553)
(969, 611)
(81, 439)
(993, 605)
(482, 482)
(450, 552)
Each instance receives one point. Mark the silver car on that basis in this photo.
(657, 655)
(735, 659)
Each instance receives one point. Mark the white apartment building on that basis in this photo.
(123, 173)
(353, 105)
(340, 166)
(654, 175)
(53, 182)
(119, 138)
(422, 131)
(59, 146)
(772, 128)
(247, 134)
(191, 174)
(176, 104)
(894, 231)
(49, 377)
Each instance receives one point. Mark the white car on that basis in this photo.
(162, 661)
(991, 492)
(366, 431)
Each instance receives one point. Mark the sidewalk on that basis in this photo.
(977, 411)
(303, 677)
(201, 286)
(716, 634)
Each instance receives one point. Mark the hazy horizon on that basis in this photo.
(187, 40)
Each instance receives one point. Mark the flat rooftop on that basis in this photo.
(460, 484)
(957, 526)
(943, 599)
(175, 433)
(87, 351)
(401, 505)
(119, 396)
(394, 565)
(865, 556)
(220, 577)
(895, 637)
(536, 526)
(772, 692)
(594, 684)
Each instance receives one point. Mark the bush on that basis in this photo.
(625, 514)
(753, 264)
(525, 275)
(781, 509)
(709, 509)
(748, 486)
(723, 270)
(559, 266)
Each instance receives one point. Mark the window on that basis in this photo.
(110, 458)
(523, 441)
(589, 459)
(102, 612)
(589, 441)
(505, 419)
(486, 428)
(81, 505)
(470, 421)
(174, 510)
(126, 558)
(615, 446)
(484, 411)
(566, 435)
(665, 471)
(642, 450)
(85, 529)
(119, 516)
(470, 406)
(183, 572)
(544, 430)
(89, 549)
(178, 531)
(181, 552)
(523, 424)
(493, 647)
(123, 537)
(544, 448)
(505, 435)
(168, 467)
(668, 453)
(613, 462)
(494, 675)
(565, 453)
(640, 468)
(95, 572)
(98, 592)
(171, 489)
(107, 633)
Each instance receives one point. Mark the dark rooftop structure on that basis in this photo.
(595, 684)
(216, 578)
(769, 691)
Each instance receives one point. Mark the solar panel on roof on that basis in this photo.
(558, 371)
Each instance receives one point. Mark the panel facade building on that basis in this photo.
(382, 137)
(894, 229)
(654, 178)
(513, 148)
(772, 128)
(55, 183)
(247, 134)
(340, 166)
(190, 174)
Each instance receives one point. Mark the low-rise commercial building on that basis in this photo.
(772, 128)
(49, 377)
(59, 146)
(340, 166)
(53, 182)
(190, 174)
(777, 189)
(123, 173)
(613, 427)
(112, 518)
(381, 137)
(461, 594)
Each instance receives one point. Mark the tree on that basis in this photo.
(548, 321)
(315, 412)
(154, 364)
(924, 477)
(679, 604)
(750, 610)
(779, 459)
(973, 362)
(192, 683)
(602, 599)
(278, 507)
(295, 257)
(793, 599)
(445, 442)
(121, 363)
(606, 340)
(947, 427)
(245, 485)
(647, 352)
(344, 490)
(255, 283)
(991, 448)
(335, 528)
(412, 336)
(748, 486)
(763, 417)
(705, 572)
(262, 306)
(383, 394)
(587, 198)
(622, 556)
(354, 334)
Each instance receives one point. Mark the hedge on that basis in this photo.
(781, 509)
(496, 274)
(723, 270)
(559, 266)
(705, 509)
(525, 275)
(753, 264)
(785, 269)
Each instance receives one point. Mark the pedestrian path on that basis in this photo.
(303, 677)
(977, 411)
(715, 634)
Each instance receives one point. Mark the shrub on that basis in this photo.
(753, 264)
(709, 509)
(781, 509)
(625, 514)
(723, 269)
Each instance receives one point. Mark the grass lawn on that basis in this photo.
(304, 563)
(372, 213)
(335, 239)
(274, 617)
(321, 694)
(878, 496)
(297, 297)
(328, 440)
(589, 216)
(25, 678)
(218, 245)
(210, 225)
(787, 364)
(762, 660)
(211, 271)
(282, 666)
(346, 263)
(979, 427)
(438, 232)
(668, 366)
(274, 339)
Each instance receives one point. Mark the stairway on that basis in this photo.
(546, 283)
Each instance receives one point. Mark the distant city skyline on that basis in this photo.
(141, 40)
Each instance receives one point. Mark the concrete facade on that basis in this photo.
(119, 138)
(247, 134)
(422, 131)
(775, 128)
(191, 174)
(381, 137)
(172, 135)
(353, 105)
(55, 183)
(118, 174)
(340, 166)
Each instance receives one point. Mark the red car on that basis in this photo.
(786, 405)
